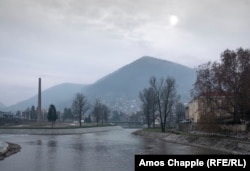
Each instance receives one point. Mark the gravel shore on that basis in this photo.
(12, 148)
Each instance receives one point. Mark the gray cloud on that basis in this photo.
(65, 40)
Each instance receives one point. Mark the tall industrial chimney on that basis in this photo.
(39, 106)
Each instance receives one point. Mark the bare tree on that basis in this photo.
(97, 111)
(166, 97)
(105, 113)
(100, 112)
(67, 114)
(228, 80)
(80, 106)
(148, 99)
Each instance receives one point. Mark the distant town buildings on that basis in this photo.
(6, 115)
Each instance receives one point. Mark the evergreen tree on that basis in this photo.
(52, 115)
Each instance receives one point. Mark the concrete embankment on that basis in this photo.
(57, 131)
(229, 145)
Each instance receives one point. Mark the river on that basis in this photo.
(100, 151)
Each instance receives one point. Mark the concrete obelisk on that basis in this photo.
(39, 105)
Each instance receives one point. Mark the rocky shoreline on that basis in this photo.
(12, 148)
(230, 145)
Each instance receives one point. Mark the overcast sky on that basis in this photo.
(80, 41)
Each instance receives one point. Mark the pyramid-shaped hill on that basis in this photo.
(125, 83)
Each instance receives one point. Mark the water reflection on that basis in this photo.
(38, 153)
(52, 153)
(52, 144)
(109, 151)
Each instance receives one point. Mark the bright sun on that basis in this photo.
(173, 20)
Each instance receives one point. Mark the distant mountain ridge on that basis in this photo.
(119, 89)
(59, 95)
(2, 106)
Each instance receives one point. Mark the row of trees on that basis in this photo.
(159, 100)
(100, 112)
(227, 80)
(79, 107)
(29, 113)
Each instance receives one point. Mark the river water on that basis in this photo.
(100, 151)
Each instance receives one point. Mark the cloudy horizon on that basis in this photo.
(81, 41)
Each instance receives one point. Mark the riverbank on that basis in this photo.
(7, 149)
(230, 145)
(57, 131)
